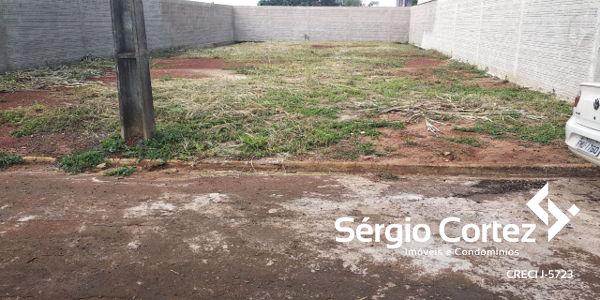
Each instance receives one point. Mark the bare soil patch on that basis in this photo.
(177, 73)
(189, 63)
(424, 68)
(490, 82)
(111, 77)
(424, 62)
(49, 144)
(330, 46)
(188, 68)
(416, 144)
(49, 98)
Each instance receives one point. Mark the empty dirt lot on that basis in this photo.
(122, 233)
(175, 234)
(361, 101)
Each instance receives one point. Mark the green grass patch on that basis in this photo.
(190, 140)
(9, 159)
(120, 171)
(544, 133)
(455, 65)
(473, 142)
(82, 161)
(11, 116)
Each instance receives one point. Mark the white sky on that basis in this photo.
(253, 2)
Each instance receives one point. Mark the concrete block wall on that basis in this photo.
(543, 44)
(186, 23)
(321, 23)
(36, 33)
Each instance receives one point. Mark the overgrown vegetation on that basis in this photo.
(291, 99)
(9, 159)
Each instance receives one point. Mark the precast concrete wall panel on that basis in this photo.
(266, 23)
(548, 45)
(42, 32)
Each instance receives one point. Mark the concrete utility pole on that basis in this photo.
(133, 70)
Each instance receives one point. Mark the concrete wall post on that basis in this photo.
(133, 70)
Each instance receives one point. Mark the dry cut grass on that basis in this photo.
(295, 100)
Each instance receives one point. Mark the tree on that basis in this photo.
(298, 3)
(373, 3)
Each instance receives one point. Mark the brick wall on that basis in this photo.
(543, 44)
(321, 23)
(35, 33)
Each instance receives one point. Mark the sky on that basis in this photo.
(253, 2)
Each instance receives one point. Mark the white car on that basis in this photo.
(583, 128)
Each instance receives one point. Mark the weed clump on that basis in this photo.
(82, 161)
(8, 159)
(545, 133)
(473, 142)
(120, 171)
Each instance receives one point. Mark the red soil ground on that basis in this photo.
(190, 68)
(416, 145)
(54, 144)
(48, 98)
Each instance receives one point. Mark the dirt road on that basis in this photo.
(187, 234)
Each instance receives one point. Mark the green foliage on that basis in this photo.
(473, 142)
(8, 159)
(189, 139)
(82, 161)
(11, 116)
(544, 133)
(120, 171)
(455, 65)
(114, 144)
(254, 145)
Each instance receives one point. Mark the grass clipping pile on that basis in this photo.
(347, 101)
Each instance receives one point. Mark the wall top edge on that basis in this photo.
(196, 3)
(322, 7)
